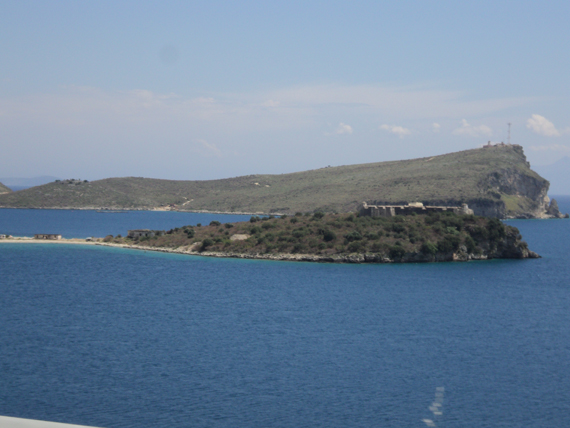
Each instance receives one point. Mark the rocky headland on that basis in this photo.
(495, 181)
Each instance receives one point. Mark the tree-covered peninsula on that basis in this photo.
(439, 236)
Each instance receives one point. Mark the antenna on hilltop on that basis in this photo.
(509, 139)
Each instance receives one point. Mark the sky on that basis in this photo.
(194, 90)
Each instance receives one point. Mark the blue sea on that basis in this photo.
(125, 338)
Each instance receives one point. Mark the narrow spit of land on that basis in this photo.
(344, 238)
(27, 240)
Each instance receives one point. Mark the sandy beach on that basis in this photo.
(27, 240)
(10, 422)
(189, 250)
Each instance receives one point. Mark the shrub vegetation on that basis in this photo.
(332, 234)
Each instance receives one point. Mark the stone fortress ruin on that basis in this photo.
(410, 208)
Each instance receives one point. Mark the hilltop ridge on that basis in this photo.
(494, 181)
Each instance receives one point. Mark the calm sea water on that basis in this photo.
(81, 223)
(118, 338)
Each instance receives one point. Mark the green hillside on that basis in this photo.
(494, 181)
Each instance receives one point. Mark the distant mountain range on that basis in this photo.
(18, 183)
(493, 181)
(559, 176)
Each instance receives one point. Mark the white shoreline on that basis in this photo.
(347, 258)
(11, 422)
(354, 258)
(26, 240)
(193, 250)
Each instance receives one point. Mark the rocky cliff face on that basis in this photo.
(512, 193)
(487, 207)
(514, 182)
(505, 187)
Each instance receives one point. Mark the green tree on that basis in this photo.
(470, 245)
(355, 247)
(329, 235)
(397, 252)
(206, 243)
(448, 244)
(429, 248)
(353, 236)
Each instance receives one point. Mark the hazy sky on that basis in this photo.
(206, 89)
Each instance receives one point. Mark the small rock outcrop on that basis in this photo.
(552, 210)
(4, 189)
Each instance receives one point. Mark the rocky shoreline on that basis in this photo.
(344, 258)
(337, 258)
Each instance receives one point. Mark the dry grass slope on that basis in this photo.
(465, 176)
